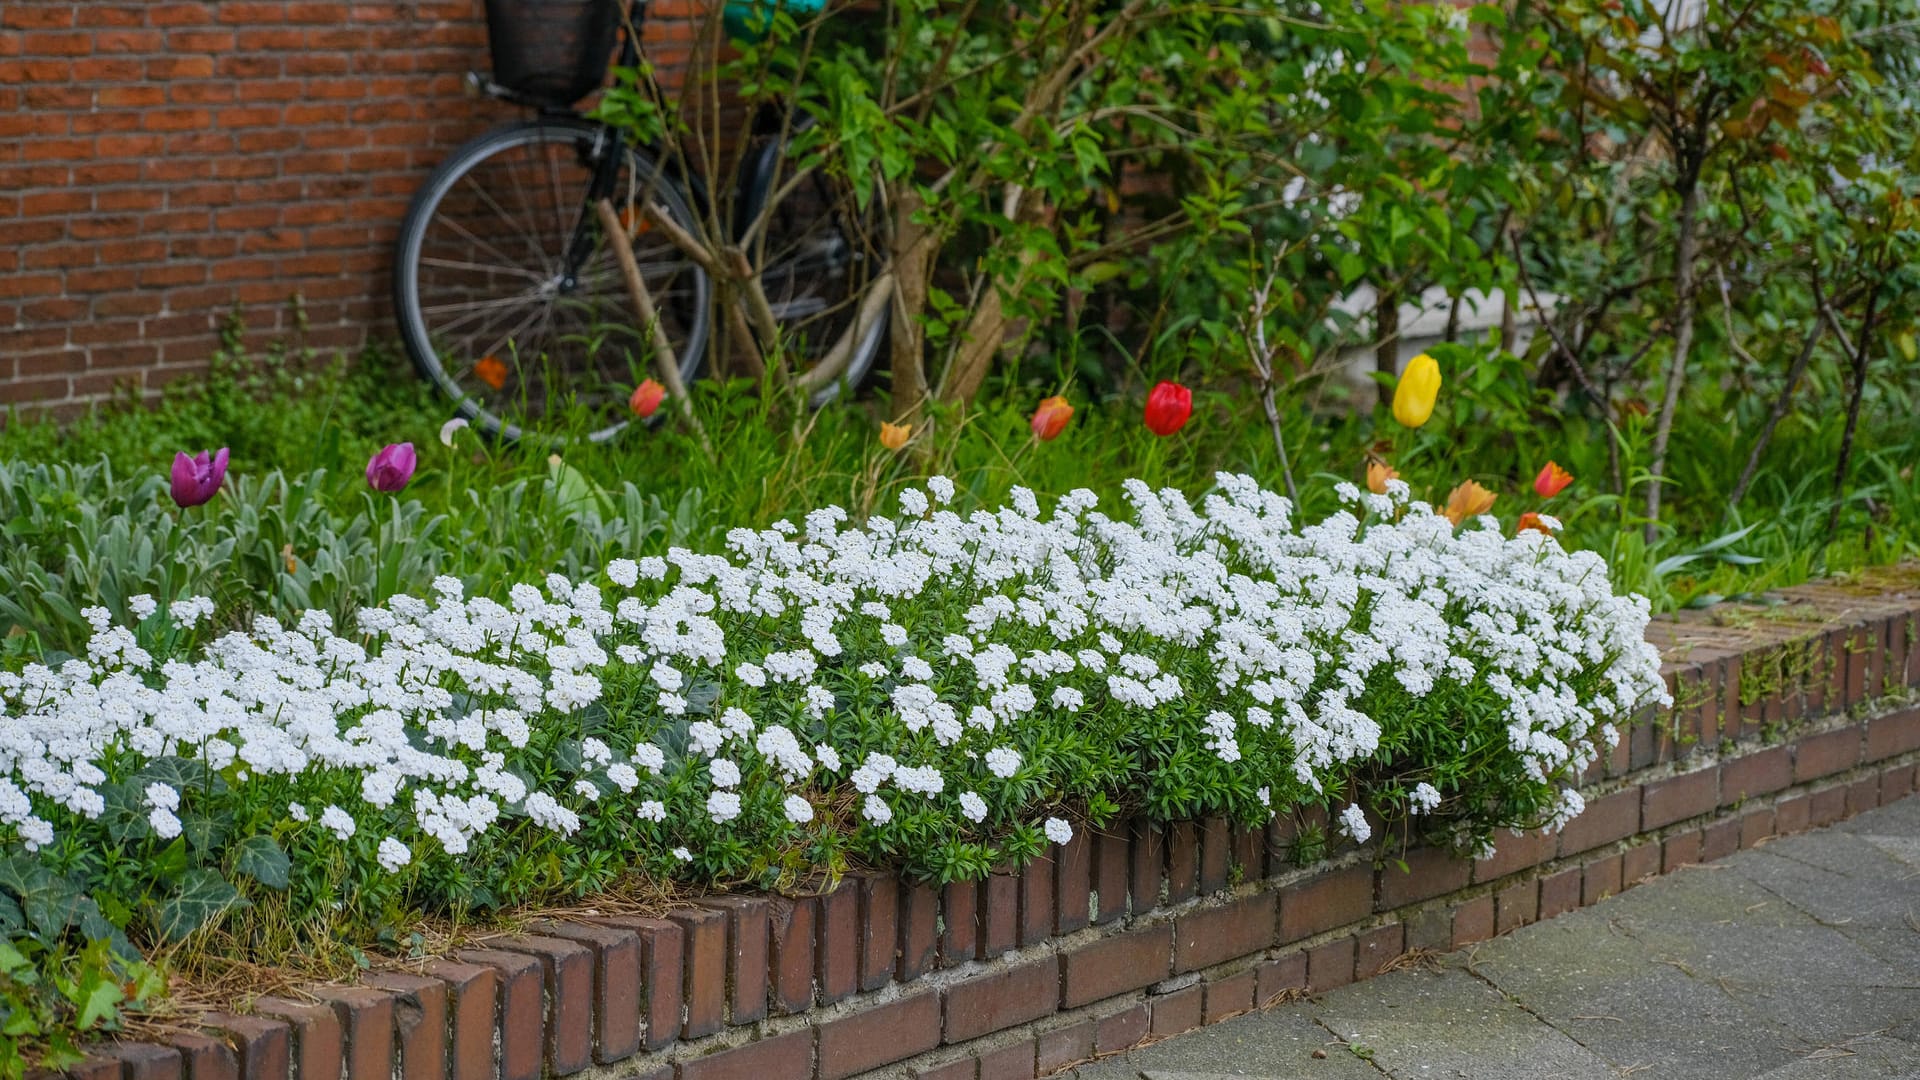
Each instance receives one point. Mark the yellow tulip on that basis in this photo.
(894, 436)
(1414, 396)
(1468, 500)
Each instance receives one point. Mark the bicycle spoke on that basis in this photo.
(485, 315)
(484, 285)
(512, 335)
(467, 305)
(469, 234)
(559, 207)
(509, 219)
(457, 264)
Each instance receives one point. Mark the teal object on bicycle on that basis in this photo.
(747, 20)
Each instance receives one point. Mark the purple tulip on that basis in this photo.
(392, 467)
(196, 479)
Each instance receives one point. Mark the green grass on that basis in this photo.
(493, 513)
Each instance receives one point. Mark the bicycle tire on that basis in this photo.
(791, 253)
(587, 323)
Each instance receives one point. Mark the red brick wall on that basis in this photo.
(165, 163)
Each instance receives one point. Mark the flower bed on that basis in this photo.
(934, 692)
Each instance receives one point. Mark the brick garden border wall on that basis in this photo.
(1785, 719)
(164, 163)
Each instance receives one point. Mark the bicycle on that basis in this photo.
(509, 296)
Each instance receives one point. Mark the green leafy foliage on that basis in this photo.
(1112, 193)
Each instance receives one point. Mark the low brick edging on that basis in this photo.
(1790, 719)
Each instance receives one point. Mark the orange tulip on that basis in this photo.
(646, 398)
(1378, 473)
(1050, 418)
(894, 436)
(633, 222)
(1552, 481)
(1531, 520)
(1468, 500)
(491, 371)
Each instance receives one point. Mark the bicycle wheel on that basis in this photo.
(819, 256)
(492, 313)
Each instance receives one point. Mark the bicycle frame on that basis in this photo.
(752, 185)
(606, 154)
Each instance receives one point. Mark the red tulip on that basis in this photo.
(1051, 417)
(1531, 520)
(1552, 481)
(1168, 406)
(646, 398)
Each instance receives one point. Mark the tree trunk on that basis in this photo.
(1683, 315)
(912, 265)
(1780, 406)
(989, 326)
(1386, 336)
(1853, 413)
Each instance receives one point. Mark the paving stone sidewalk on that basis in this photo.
(1797, 960)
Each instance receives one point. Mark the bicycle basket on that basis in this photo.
(551, 52)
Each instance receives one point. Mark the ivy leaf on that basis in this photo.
(99, 999)
(202, 897)
(180, 774)
(50, 903)
(261, 859)
(701, 696)
(205, 832)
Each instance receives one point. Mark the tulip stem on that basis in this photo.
(663, 355)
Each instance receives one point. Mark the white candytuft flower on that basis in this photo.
(924, 651)
(164, 823)
(1424, 798)
(339, 822)
(1353, 823)
(393, 855)
(723, 806)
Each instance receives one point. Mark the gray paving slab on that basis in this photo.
(1277, 1044)
(1899, 819)
(1849, 884)
(1448, 1023)
(1628, 1001)
(1798, 960)
(1808, 978)
(1864, 1057)
(1904, 848)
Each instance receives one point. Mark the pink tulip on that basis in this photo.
(391, 468)
(197, 479)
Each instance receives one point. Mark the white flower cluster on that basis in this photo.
(962, 646)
